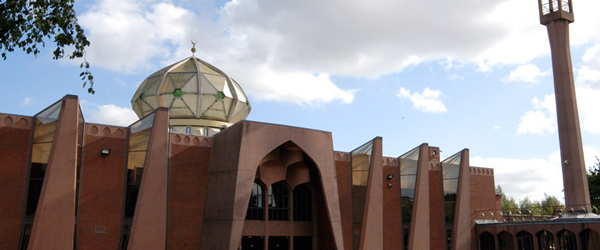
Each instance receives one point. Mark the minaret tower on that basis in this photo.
(556, 16)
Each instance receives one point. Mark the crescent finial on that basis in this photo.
(194, 46)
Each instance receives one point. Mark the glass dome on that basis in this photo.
(201, 99)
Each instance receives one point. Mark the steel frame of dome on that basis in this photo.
(201, 98)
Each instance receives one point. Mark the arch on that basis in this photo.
(545, 240)
(524, 241)
(567, 240)
(279, 202)
(505, 241)
(256, 210)
(486, 241)
(590, 239)
(303, 203)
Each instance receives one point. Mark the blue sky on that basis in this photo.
(455, 74)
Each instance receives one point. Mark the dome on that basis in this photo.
(201, 99)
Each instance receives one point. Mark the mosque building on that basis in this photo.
(193, 173)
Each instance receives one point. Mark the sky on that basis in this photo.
(454, 74)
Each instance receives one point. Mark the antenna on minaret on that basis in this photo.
(194, 46)
(556, 15)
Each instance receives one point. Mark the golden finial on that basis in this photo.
(194, 46)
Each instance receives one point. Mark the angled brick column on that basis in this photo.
(419, 235)
(149, 228)
(461, 238)
(54, 223)
(372, 228)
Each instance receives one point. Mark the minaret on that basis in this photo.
(556, 16)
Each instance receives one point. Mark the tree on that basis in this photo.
(26, 24)
(528, 206)
(508, 203)
(551, 203)
(593, 177)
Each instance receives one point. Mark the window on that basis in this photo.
(566, 240)
(278, 202)
(545, 240)
(302, 203)
(505, 241)
(255, 207)
(486, 241)
(525, 241)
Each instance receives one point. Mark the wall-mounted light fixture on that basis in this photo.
(390, 176)
(105, 151)
(389, 185)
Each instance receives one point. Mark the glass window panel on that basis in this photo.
(238, 91)
(179, 80)
(206, 69)
(361, 163)
(191, 86)
(216, 80)
(189, 66)
(50, 114)
(206, 102)
(451, 166)
(360, 178)
(227, 90)
(192, 102)
(198, 130)
(143, 124)
(212, 131)
(407, 185)
(450, 186)
(207, 88)
(152, 102)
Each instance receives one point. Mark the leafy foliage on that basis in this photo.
(26, 24)
(594, 183)
(546, 206)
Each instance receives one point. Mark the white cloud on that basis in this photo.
(542, 119)
(532, 177)
(27, 101)
(428, 101)
(525, 73)
(109, 114)
(257, 42)
(497, 127)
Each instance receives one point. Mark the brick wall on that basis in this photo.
(392, 233)
(102, 188)
(189, 165)
(15, 134)
(344, 178)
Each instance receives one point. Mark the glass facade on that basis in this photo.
(450, 175)
(44, 130)
(409, 163)
(279, 202)
(256, 209)
(139, 137)
(302, 203)
(361, 164)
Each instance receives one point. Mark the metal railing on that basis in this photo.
(531, 214)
